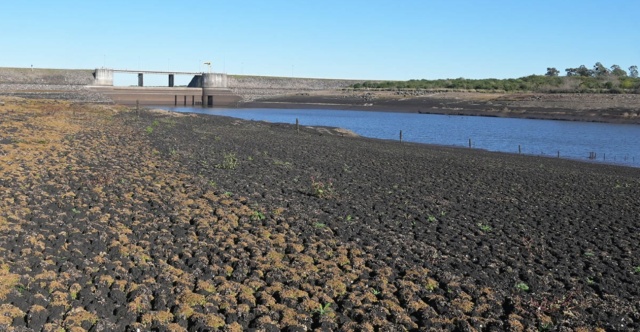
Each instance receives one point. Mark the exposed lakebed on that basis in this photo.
(118, 221)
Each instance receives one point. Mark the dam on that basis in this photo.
(204, 89)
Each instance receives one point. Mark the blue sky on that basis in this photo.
(372, 39)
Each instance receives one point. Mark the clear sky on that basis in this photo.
(369, 39)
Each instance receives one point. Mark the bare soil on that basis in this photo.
(116, 220)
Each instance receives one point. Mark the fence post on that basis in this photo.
(400, 136)
(297, 126)
(519, 149)
(469, 143)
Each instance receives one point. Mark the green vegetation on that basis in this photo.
(230, 161)
(257, 216)
(581, 79)
(322, 189)
(484, 227)
(323, 309)
(319, 225)
(636, 269)
(522, 287)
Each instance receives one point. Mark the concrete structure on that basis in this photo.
(103, 77)
(205, 89)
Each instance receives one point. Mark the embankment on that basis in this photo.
(251, 88)
(66, 84)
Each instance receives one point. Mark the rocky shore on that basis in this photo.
(116, 220)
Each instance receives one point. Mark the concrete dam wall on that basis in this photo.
(73, 84)
(255, 87)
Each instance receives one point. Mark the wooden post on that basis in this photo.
(469, 143)
(137, 105)
(297, 126)
(175, 100)
(558, 154)
(400, 136)
(519, 149)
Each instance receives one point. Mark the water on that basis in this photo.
(611, 143)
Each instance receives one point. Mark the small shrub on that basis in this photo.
(522, 287)
(484, 227)
(230, 161)
(322, 189)
(257, 215)
(323, 309)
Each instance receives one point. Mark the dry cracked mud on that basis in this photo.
(118, 220)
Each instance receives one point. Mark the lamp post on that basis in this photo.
(208, 63)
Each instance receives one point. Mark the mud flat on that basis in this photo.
(118, 220)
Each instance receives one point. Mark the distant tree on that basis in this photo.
(584, 71)
(600, 70)
(617, 71)
(633, 71)
(552, 72)
(580, 71)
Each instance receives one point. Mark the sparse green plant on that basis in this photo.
(250, 158)
(257, 215)
(443, 213)
(149, 129)
(431, 218)
(230, 161)
(590, 281)
(375, 292)
(228, 194)
(319, 225)
(349, 217)
(212, 184)
(323, 309)
(589, 254)
(74, 210)
(484, 227)
(521, 286)
(322, 189)
(636, 269)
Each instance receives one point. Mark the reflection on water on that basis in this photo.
(610, 143)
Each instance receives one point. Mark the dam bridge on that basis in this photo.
(206, 89)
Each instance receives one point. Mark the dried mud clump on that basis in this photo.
(109, 226)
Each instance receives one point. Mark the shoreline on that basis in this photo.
(340, 131)
(576, 108)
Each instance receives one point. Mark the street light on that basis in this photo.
(208, 64)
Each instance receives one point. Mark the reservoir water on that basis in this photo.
(587, 141)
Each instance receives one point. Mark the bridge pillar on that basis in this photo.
(140, 79)
(171, 80)
(103, 77)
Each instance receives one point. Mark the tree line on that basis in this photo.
(598, 79)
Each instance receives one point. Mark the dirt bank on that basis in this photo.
(623, 108)
(114, 220)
